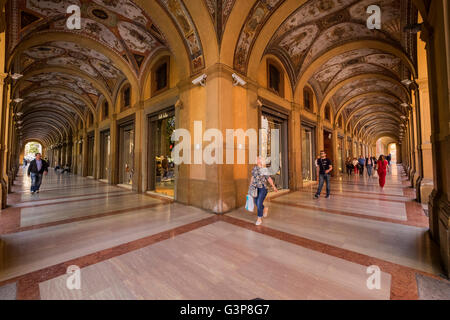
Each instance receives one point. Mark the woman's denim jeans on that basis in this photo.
(259, 201)
(369, 170)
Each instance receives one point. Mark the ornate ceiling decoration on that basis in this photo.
(219, 11)
(67, 75)
(259, 14)
(119, 25)
(319, 26)
(186, 27)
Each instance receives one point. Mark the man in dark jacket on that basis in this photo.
(38, 167)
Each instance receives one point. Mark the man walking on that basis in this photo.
(361, 163)
(323, 168)
(38, 167)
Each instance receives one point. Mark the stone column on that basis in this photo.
(438, 56)
(84, 163)
(295, 146)
(96, 160)
(138, 148)
(114, 146)
(334, 145)
(426, 186)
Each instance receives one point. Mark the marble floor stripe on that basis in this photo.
(221, 261)
(379, 197)
(402, 244)
(66, 200)
(403, 284)
(84, 218)
(23, 252)
(415, 215)
(373, 209)
(28, 284)
(73, 209)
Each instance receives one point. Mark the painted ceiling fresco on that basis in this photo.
(119, 25)
(318, 26)
(219, 11)
(84, 64)
(259, 14)
(121, 30)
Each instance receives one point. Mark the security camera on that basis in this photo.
(200, 80)
(238, 80)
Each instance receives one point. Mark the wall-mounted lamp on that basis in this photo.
(200, 80)
(18, 100)
(238, 80)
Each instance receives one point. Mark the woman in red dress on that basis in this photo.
(381, 168)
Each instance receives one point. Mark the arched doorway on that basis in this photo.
(392, 150)
(31, 148)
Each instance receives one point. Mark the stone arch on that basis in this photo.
(41, 38)
(340, 85)
(342, 107)
(371, 106)
(176, 42)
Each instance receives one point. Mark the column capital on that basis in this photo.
(3, 77)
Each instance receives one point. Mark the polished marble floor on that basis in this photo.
(139, 246)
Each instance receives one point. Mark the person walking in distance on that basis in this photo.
(349, 166)
(369, 165)
(38, 167)
(323, 168)
(361, 164)
(355, 165)
(382, 166)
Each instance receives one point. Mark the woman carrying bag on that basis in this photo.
(260, 178)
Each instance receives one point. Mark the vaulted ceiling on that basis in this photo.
(324, 44)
